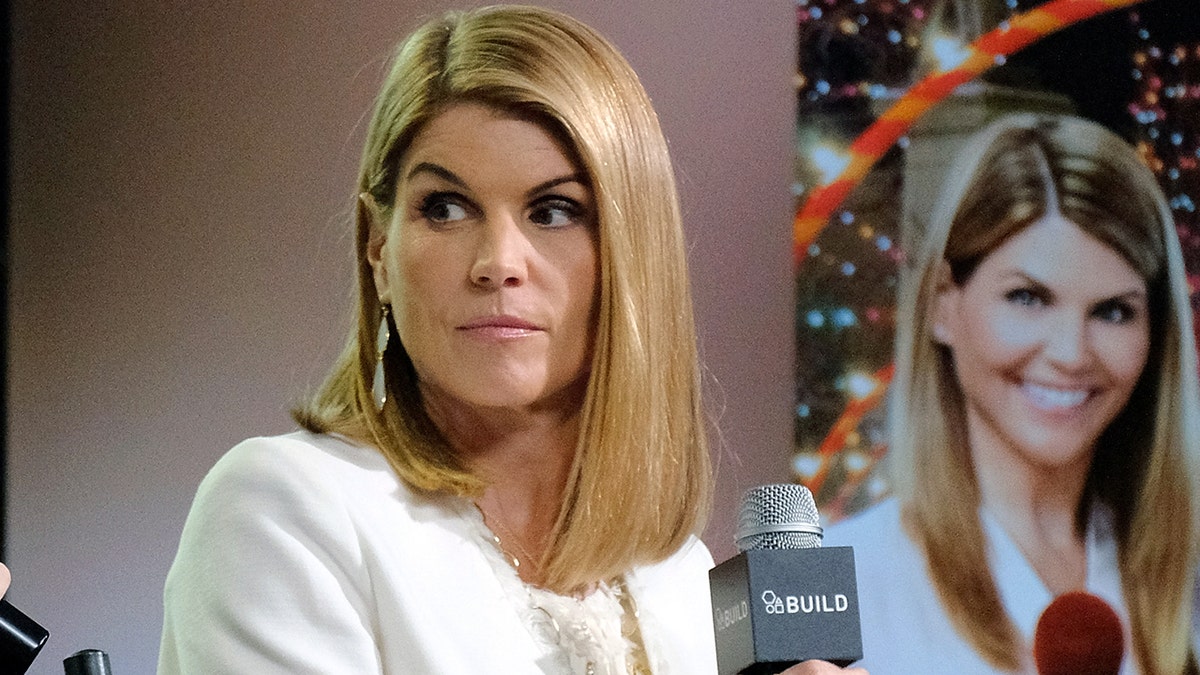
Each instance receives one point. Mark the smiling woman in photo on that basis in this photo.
(1044, 414)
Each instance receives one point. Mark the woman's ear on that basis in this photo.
(370, 215)
(946, 298)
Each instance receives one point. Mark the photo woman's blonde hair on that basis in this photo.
(641, 478)
(1145, 464)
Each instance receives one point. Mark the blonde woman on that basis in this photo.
(1044, 413)
(506, 470)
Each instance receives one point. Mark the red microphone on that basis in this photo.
(1078, 634)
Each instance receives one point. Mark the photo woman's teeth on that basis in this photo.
(1050, 398)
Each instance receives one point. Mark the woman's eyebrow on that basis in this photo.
(1128, 294)
(437, 170)
(1025, 277)
(553, 182)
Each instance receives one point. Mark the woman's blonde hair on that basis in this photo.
(1145, 465)
(640, 483)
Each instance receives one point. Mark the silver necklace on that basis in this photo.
(492, 524)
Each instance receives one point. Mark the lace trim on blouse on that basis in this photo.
(597, 634)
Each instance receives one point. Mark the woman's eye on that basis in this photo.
(440, 208)
(1024, 297)
(555, 213)
(1115, 311)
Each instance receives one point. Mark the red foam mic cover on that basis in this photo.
(1078, 634)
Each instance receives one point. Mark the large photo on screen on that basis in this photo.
(997, 255)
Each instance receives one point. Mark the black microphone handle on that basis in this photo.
(21, 638)
(87, 662)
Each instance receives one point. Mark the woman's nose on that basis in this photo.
(501, 253)
(1066, 342)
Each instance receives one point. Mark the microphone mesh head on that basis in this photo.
(1078, 634)
(783, 515)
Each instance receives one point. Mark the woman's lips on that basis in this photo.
(500, 327)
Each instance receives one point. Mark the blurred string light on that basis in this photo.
(1166, 110)
(829, 162)
(855, 28)
(949, 52)
(860, 385)
(856, 462)
(867, 390)
(806, 465)
(836, 318)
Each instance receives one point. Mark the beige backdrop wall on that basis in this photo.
(180, 177)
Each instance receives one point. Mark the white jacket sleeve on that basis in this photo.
(269, 575)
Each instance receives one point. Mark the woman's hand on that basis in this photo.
(5, 579)
(821, 668)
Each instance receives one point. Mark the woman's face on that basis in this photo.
(1049, 336)
(489, 261)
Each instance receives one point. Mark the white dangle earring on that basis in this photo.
(379, 383)
(940, 334)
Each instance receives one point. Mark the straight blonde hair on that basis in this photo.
(640, 483)
(1145, 464)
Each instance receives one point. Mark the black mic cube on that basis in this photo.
(776, 607)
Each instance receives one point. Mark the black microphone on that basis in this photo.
(21, 638)
(783, 599)
(87, 662)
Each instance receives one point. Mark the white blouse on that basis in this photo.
(905, 629)
(305, 554)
